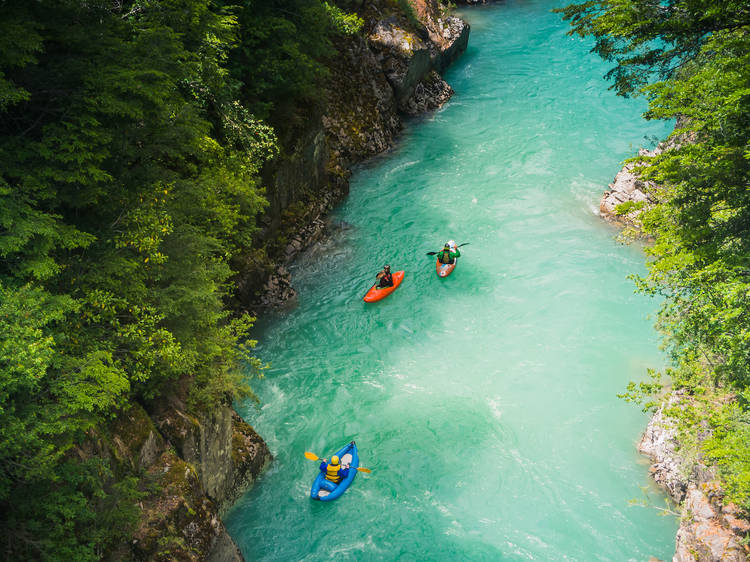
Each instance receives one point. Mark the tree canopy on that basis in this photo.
(651, 39)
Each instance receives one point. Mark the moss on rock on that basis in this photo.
(178, 521)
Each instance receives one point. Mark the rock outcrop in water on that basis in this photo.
(388, 72)
(628, 195)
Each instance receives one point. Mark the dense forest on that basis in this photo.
(132, 137)
(691, 60)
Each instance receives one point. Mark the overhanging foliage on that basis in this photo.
(692, 61)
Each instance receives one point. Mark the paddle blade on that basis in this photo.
(311, 456)
(464, 244)
(431, 253)
(364, 469)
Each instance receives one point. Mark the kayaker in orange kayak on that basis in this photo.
(385, 277)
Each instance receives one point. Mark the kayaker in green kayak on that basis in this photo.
(385, 277)
(449, 253)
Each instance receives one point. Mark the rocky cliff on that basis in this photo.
(709, 529)
(190, 467)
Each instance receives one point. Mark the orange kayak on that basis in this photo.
(445, 269)
(376, 294)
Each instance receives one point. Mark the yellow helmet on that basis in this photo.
(334, 460)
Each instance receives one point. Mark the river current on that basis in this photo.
(484, 403)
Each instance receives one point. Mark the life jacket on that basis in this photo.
(386, 280)
(445, 256)
(332, 473)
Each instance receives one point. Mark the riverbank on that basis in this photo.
(150, 443)
(711, 528)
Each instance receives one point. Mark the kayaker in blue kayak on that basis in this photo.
(334, 471)
(385, 277)
(449, 253)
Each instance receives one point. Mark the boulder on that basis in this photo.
(627, 186)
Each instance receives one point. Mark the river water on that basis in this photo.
(484, 403)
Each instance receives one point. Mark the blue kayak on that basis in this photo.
(325, 490)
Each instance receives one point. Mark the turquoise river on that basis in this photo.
(484, 403)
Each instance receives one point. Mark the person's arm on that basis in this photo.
(323, 466)
(379, 274)
(456, 254)
(344, 472)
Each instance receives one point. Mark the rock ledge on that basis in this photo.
(709, 530)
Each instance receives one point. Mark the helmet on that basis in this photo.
(447, 246)
(334, 460)
(386, 266)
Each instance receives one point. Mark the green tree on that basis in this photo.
(650, 39)
(128, 182)
(282, 54)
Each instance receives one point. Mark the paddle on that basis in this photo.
(464, 244)
(314, 457)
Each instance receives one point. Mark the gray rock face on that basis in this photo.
(151, 449)
(192, 469)
(659, 442)
(403, 56)
(361, 119)
(709, 530)
(303, 166)
(278, 289)
(430, 94)
(224, 549)
(448, 35)
(412, 63)
(455, 34)
(627, 186)
(226, 452)
(207, 447)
